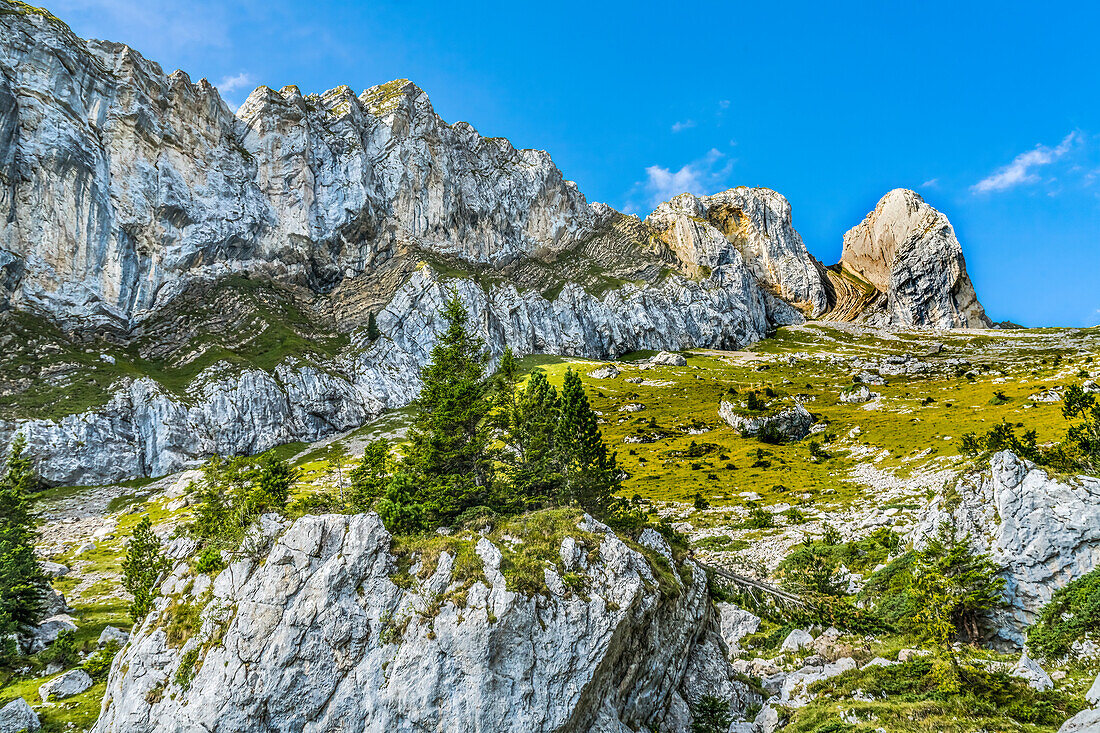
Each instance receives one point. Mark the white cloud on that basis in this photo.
(931, 183)
(683, 125)
(724, 104)
(230, 84)
(699, 177)
(1022, 169)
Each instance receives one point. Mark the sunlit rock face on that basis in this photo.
(908, 251)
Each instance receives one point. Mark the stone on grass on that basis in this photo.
(1029, 670)
(73, 682)
(668, 358)
(54, 569)
(46, 633)
(110, 633)
(797, 639)
(607, 371)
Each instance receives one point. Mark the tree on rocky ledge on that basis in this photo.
(448, 451)
(143, 566)
(591, 475)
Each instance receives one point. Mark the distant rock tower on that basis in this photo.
(906, 267)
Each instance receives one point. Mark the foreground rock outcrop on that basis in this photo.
(908, 253)
(1044, 531)
(314, 634)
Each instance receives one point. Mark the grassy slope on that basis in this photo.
(684, 398)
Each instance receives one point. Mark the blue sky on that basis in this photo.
(990, 110)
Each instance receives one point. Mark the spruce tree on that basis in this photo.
(369, 478)
(271, 485)
(591, 473)
(535, 469)
(143, 566)
(372, 328)
(22, 582)
(447, 452)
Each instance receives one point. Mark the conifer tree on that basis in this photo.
(369, 478)
(372, 328)
(271, 486)
(143, 566)
(447, 453)
(535, 472)
(591, 474)
(22, 583)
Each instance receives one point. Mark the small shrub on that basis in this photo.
(699, 502)
(758, 518)
(209, 561)
(794, 516)
(98, 665)
(187, 669)
(63, 651)
(1072, 612)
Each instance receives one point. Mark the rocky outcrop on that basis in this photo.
(125, 189)
(313, 634)
(753, 222)
(792, 423)
(126, 192)
(907, 252)
(1043, 531)
(146, 430)
(18, 717)
(123, 183)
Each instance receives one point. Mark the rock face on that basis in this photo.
(315, 636)
(123, 183)
(1043, 531)
(18, 717)
(752, 222)
(908, 252)
(125, 189)
(126, 193)
(146, 430)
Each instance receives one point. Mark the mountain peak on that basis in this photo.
(908, 251)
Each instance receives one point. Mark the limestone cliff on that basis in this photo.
(908, 254)
(313, 631)
(1042, 530)
(128, 196)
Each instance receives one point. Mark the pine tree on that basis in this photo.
(369, 478)
(535, 469)
(22, 583)
(143, 566)
(400, 507)
(712, 715)
(447, 452)
(271, 485)
(372, 328)
(591, 474)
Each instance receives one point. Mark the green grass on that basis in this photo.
(50, 375)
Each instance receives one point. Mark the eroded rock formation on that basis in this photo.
(315, 635)
(906, 267)
(1044, 531)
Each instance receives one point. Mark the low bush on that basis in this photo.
(1073, 611)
